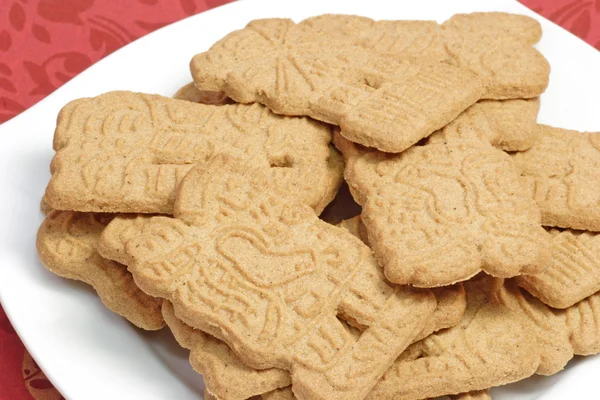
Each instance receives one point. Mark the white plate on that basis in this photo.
(90, 353)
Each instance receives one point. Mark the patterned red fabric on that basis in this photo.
(45, 43)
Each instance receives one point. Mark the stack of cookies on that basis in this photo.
(474, 261)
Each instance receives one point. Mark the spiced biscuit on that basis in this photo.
(439, 213)
(559, 172)
(495, 46)
(560, 334)
(379, 100)
(247, 263)
(491, 346)
(508, 124)
(127, 152)
(66, 243)
(575, 271)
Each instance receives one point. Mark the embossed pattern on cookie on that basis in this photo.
(491, 346)
(574, 273)
(250, 265)
(379, 100)
(225, 375)
(127, 152)
(560, 334)
(440, 213)
(508, 124)
(66, 243)
(560, 171)
(497, 47)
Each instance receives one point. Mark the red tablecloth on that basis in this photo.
(45, 43)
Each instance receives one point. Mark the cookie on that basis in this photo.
(225, 375)
(440, 213)
(230, 379)
(191, 93)
(127, 152)
(209, 396)
(66, 244)
(509, 124)
(574, 273)
(495, 46)
(247, 263)
(379, 100)
(491, 346)
(560, 334)
(279, 394)
(44, 207)
(557, 171)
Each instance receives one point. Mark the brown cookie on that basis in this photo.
(379, 100)
(495, 46)
(560, 334)
(127, 152)
(66, 244)
(249, 264)
(509, 124)
(191, 93)
(440, 213)
(557, 171)
(574, 273)
(224, 373)
(491, 346)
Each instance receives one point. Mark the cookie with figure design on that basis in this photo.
(557, 171)
(439, 213)
(491, 346)
(229, 378)
(379, 99)
(560, 334)
(509, 124)
(127, 152)
(66, 243)
(574, 273)
(495, 46)
(249, 264)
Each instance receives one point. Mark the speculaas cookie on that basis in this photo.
(66, 244)
(574, 273)
(508, 124)
(247, 263)
(379, 100)
(495, 46)
(560, 171)
(559, 334)
(126, 152)
(491, 346)
(439, 213)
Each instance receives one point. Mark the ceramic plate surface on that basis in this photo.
(90, 353)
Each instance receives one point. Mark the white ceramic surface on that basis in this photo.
(88, 352)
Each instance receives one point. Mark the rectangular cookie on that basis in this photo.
(127, 152)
